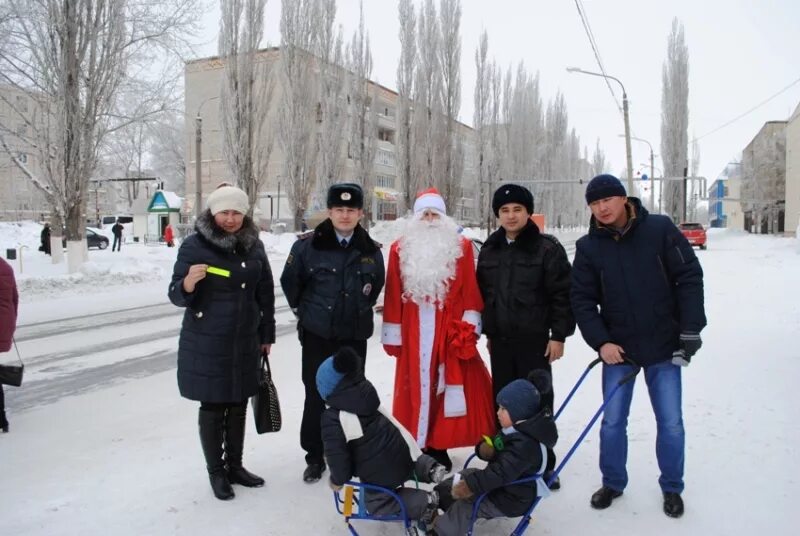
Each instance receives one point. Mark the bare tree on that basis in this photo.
(297, 121)
(427, 97)
(78, 59)
(168, 152)
(694, 186)
(480, 120)
(449, 177)
(247, 90)
(363, 126)
(598, 160)
(405, 90)
(675, 118)
(332, 109)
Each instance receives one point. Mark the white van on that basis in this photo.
(107, 222)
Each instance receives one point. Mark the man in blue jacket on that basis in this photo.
(637, 294)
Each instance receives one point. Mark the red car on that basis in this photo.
(694, 233)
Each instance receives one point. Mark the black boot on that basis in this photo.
(234, 444)
(673, 504)
(440, 456)
(212, 429)
(3, 422)
(602, 498)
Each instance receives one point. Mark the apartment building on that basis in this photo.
(203, 79)
(19, 198)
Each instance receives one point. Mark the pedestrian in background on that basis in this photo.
(524, 277)
(9, 303)
(169, 235)
(637, 293)
(223, 279)
(332, 279)
(45, 238)
(117, 230)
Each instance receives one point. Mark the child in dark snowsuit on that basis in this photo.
(363, 440)
(518, 451)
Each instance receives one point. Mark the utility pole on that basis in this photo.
(198, 141)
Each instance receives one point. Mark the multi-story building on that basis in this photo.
(763, 191)
(19, 198)
(793, 173)
(203, 80)
(724, 208)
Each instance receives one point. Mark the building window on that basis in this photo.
(384, 181)
(385, 158)
(22, 103)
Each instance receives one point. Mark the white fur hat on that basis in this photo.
(228, 198)
(430, 198)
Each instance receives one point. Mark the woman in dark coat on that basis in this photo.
(223, 279)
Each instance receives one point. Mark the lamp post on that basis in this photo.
(625, 117)
(198, 141)
(652, 168)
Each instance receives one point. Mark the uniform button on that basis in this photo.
(199, 314)
(243, 285)
(244, 265)
(334, 270)
(329, 308)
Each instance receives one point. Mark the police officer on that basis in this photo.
(332, 279)
(524, 277)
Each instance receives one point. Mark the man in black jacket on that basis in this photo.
(637, 293)
(524, 277)
(332, 279)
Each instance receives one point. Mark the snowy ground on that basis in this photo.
(101, 442)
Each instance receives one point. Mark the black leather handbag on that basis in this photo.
(12, 374)
(266, 407)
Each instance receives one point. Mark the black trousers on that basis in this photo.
(117, 245)
(512, 359)
(316, 350)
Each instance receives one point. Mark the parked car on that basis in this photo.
(93, 240)
(694, 233)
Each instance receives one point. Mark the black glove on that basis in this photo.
(689, 344)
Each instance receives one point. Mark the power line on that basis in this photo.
(595, 49)
(754, 108)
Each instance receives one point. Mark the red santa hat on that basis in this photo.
(430, 198)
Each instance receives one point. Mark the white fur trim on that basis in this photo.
(474, 318)
(427, 325)
(455, 405)
(430, 200)
(391, 334)
(351, 425)
(441, 383)
(413, 448)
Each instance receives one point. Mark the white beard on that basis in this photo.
(428, 255)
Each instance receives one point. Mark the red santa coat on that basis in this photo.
(442, 390)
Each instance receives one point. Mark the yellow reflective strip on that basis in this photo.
(218, 271)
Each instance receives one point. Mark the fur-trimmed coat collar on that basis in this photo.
(240, 241)
(325, 238)
(527, 238)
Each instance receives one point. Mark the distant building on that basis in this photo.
(19, 198)
(763, 191)
(724, 208)
(203, 79)
(793, 173)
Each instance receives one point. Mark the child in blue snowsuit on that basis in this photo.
(361, 440)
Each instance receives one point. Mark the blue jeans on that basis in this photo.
(664, 385)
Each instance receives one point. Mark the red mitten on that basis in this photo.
(462, 339)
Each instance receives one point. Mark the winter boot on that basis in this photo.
(3, 422)
(234, 444)
(212, 429)
(673, 504)
(602, 498)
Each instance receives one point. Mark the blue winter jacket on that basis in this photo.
(639, 289)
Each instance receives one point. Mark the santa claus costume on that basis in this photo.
(431, 324)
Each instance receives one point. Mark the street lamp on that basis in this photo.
(625, 117)
(198, 139)
(652, 167)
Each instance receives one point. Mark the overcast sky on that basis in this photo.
(740, 53)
